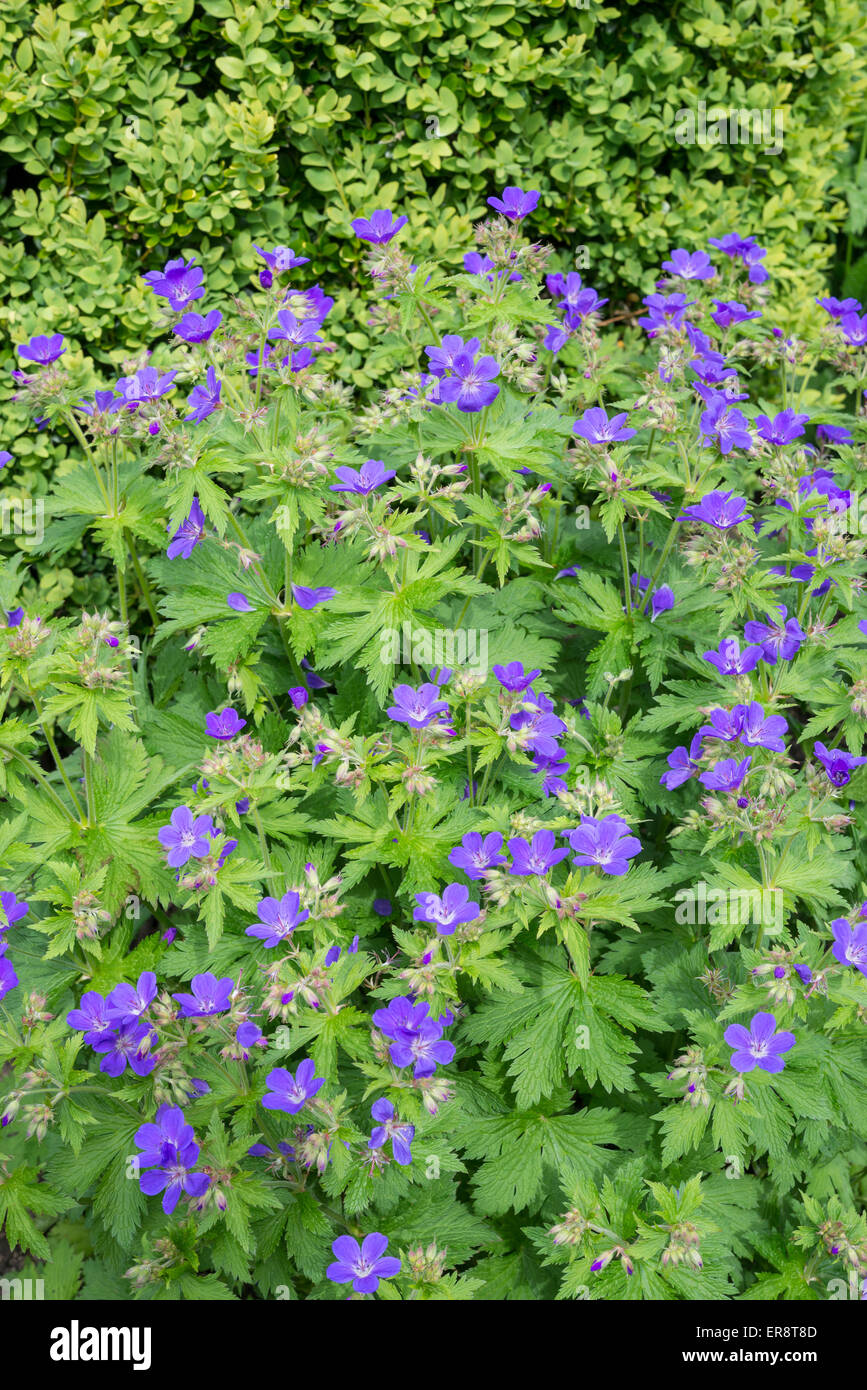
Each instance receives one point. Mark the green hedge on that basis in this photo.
(128, 132)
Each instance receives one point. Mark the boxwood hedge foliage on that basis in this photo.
(127, 129)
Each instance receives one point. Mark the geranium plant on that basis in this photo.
(437, 873)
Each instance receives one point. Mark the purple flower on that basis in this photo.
(729, 660)
(682, 764)
(279, 918)
(401, 1135)
(711, 369)
(596, 428)
(188, 534)
(475, 853)
(298, 695)
(724, 724)
(370, 475)
(553, 773)
(540, 727)
(363, 1265)
(565, 289)
(417, 708)
(128, 1044)
(537, 857)
(732, 244)
(854, 329)
(837, 763)
(209, 996)
(513, 677)
(850, 943)
(838, 307)
(424, 1052)
(186, 837)
(128, 1002)
(728, 312)
(727, 394)
(5, 457)
(661, 602)
(295, 330)
(749, 725)
(171, 1154)
(247, 1036)
(585, 303)
(291, 1093)
(417, 1038)
(471, 386)
(231, 845)
(785, 428)
(835, 434)
(726, 776)
(760, 730)
(196, 328)
(607, 844)
(224, 725)
(262, 1150)
(91, 1018)
(8, 978)
(14, 616)
(311, 598)
(751, 257)
(204, 399)
(759, 1045)
(442, 358)
(11, 910)
(448, 911)
(477, 264)
(515, 204)
(102, 403)
(176, 1178)
(719, 509)
(776, 639)
(379, 228)
(42, 350)
(240, 603)
(228, 848)
(382, 907)
(402, 1018)
(281, 258)
(666, 311)
(180, 282)
(556, 338)
(169, 1130)
(728, 426)
(689, 265)
(146, 385)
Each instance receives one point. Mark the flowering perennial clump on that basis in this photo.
(437, 864)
